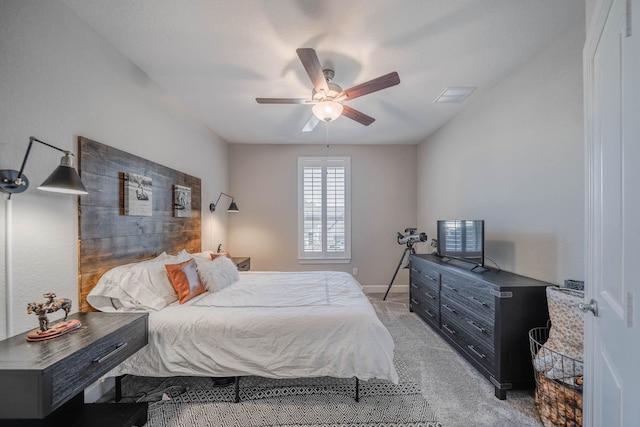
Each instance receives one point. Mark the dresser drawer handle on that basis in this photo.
(478, 327)
(414, 286)
(448, 329)
(476, 300)
(414, 270)
(430, 314)
(473, 349)
(451, 309)
(449, 287)
(433, 279)
(415, 301)
(118, 348)
(429, 295)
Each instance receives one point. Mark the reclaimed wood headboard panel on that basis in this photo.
(107, 237)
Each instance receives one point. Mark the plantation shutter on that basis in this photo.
(324, 209)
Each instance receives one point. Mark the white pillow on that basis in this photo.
(204, 255)
(182, 256)
(217, 274)
(149, 285)
(109, 295)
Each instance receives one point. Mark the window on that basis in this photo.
(324, 219)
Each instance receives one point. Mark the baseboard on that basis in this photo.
(376, 289)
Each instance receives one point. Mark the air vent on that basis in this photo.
(454, 94)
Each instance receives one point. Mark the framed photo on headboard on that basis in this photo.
(137, 195)
(181, 201)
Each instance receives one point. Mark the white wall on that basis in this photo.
(59, 80)
(514, 158)
(264, 183)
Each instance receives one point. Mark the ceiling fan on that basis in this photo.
(328, 98)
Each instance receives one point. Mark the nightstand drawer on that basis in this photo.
(243, 263)
(87, 365)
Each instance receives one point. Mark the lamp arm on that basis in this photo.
(26, 155)
(212, 206)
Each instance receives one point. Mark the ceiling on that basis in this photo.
(217, 56)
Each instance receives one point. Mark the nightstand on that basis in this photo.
(243, 263)
(43, 382)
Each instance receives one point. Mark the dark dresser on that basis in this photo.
(485, 316)
(42, 383)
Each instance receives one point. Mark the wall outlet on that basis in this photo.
(355, 271)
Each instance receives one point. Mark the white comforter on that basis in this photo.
(270, 324)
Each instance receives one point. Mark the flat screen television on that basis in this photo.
(462, 239)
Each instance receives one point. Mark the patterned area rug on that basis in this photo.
(303, 402)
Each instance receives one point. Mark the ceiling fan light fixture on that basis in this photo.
(327, 110)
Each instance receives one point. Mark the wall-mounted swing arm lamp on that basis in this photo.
(64, 179)
(232, 207)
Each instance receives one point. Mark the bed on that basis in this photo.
(269, 324)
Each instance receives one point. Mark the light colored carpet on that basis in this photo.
(456, 392)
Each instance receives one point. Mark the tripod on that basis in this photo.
(409, 250)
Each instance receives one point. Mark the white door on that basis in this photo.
(612, 131)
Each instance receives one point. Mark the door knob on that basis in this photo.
(592, 307)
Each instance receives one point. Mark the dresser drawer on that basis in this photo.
(421, 271)
(476, 295)
(471, 345)
(422, 291)
(85, 366)
(427, 310)
(479, 326)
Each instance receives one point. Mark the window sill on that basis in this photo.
(325, 261)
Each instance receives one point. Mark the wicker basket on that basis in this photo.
(558, 396)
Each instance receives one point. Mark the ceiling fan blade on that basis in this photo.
(281, 101)
(311, 123)
(312, 65)
(356, 115)
(374, 85)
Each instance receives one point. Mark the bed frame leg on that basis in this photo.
(237, 387)
(119, 388)
(357, 390)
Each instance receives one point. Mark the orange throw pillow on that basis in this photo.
(185, 280)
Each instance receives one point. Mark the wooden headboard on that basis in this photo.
(107, 237)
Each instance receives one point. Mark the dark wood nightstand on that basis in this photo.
(243, 263)
(43, 382)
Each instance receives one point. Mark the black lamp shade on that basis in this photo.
(64, 179)
(233, 207)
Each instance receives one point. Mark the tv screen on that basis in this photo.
(461, 239)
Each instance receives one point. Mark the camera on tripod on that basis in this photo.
(410, 237)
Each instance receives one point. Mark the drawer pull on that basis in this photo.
(473, 349)
(430, 314)
(476, 300)
(414, 286)
(478, 327)
(414, 270)
(415, 301)
(429, 295)
(430, 278)
(118, 348)
(451, 309)
(448, 329)
(449, 287)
